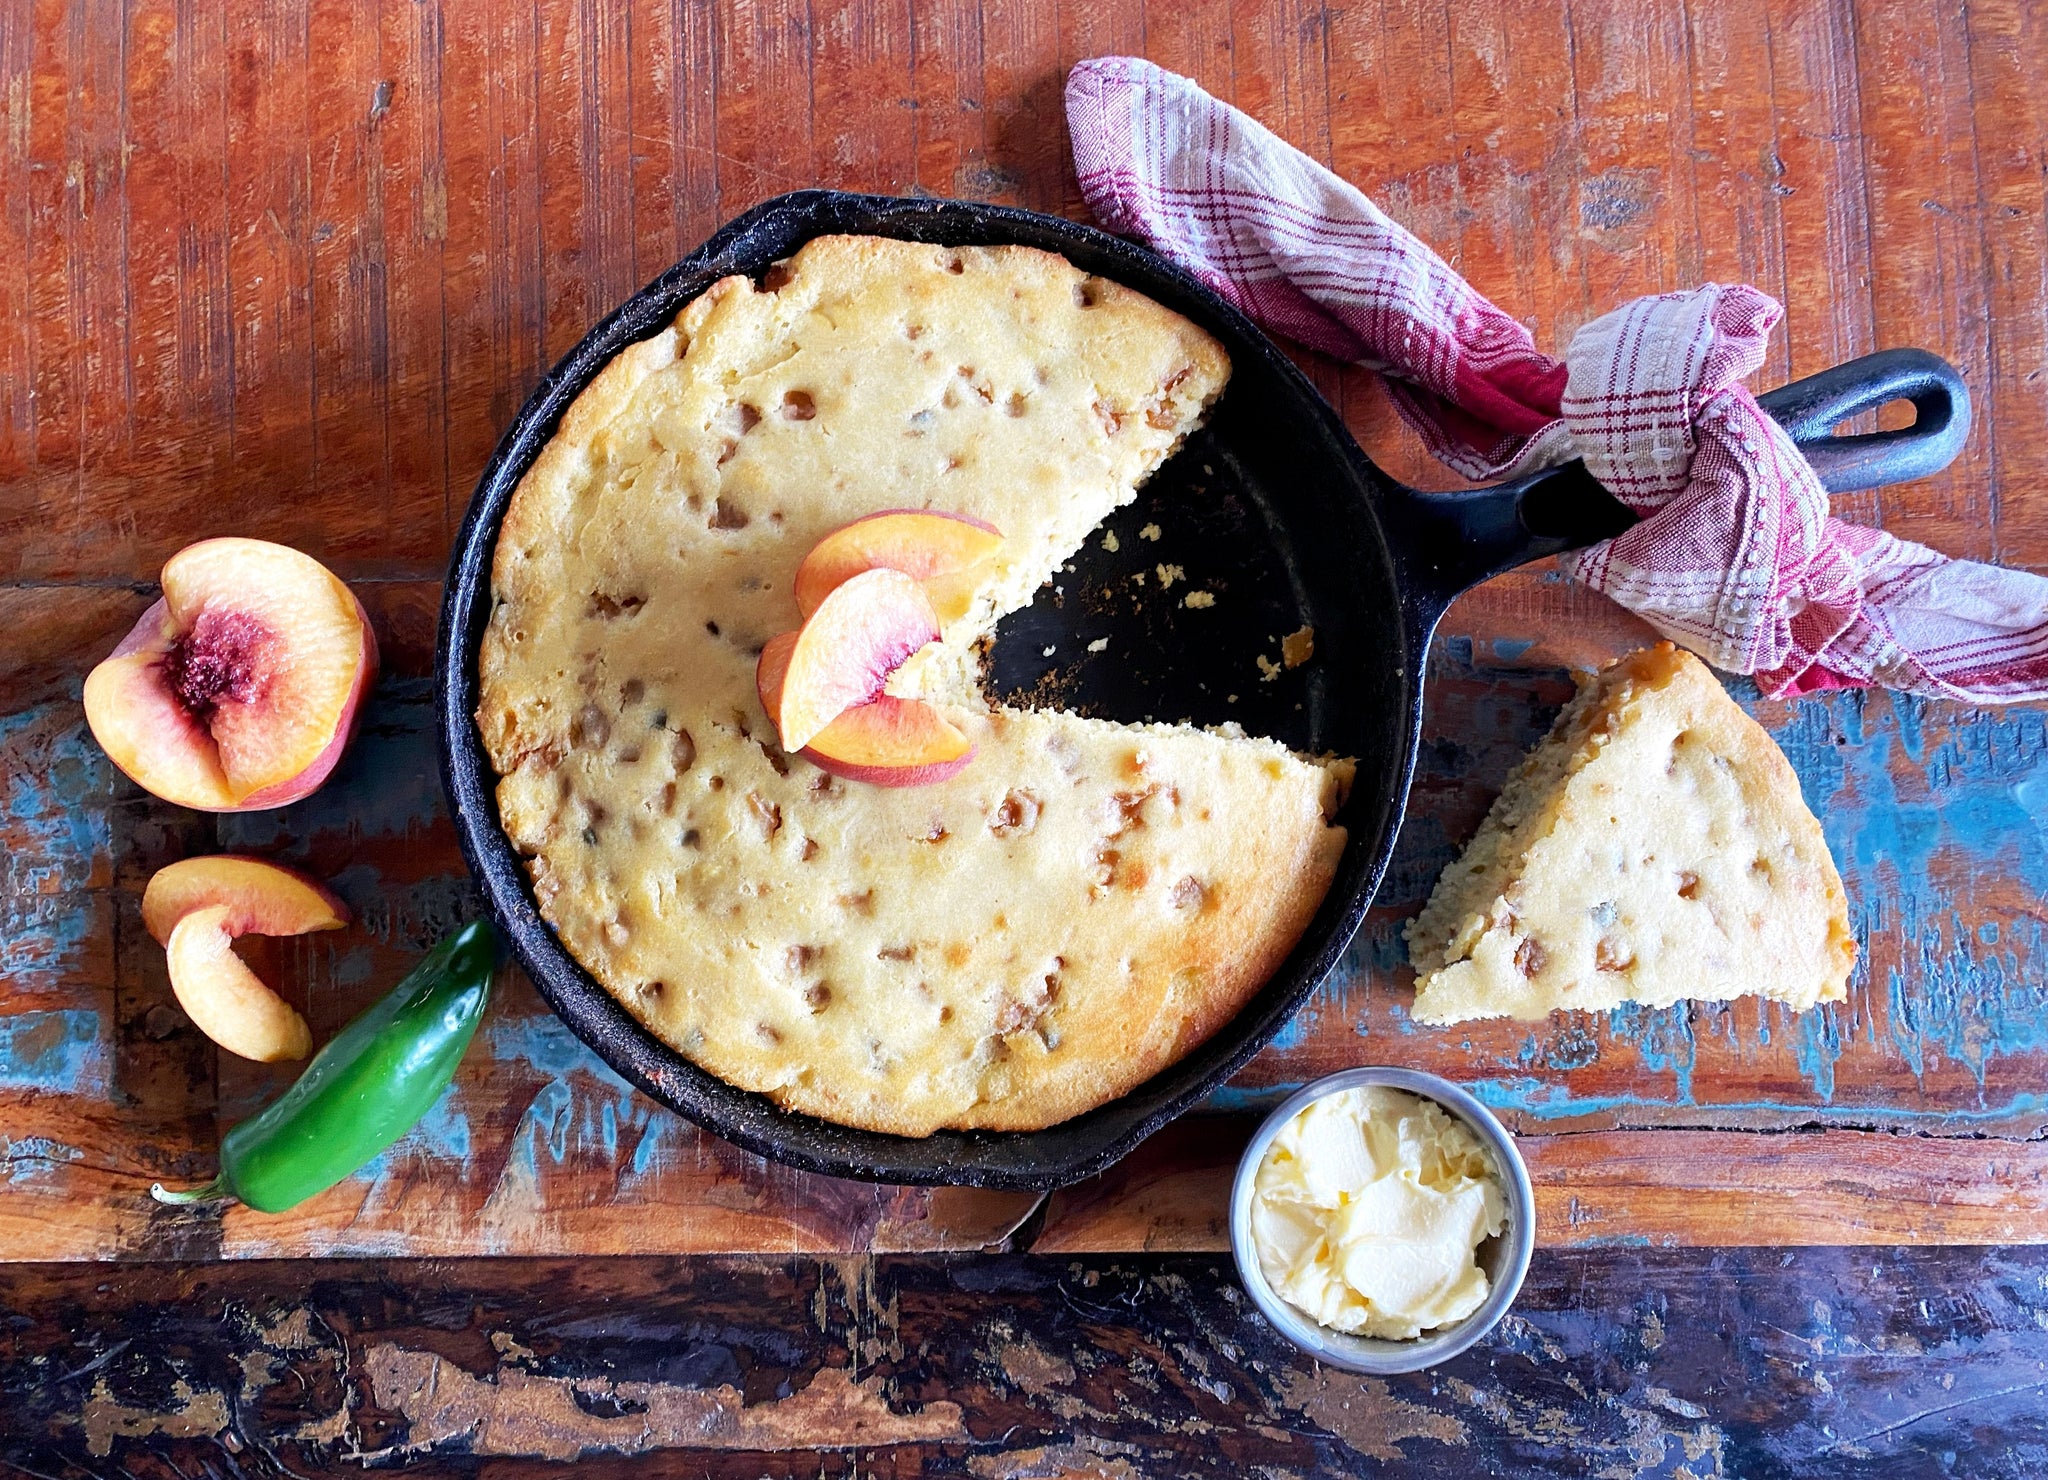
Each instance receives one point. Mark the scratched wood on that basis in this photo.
(1664, 1188)
(287, 271)
(1751, 1363)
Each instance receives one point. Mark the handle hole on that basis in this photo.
(1892, 416)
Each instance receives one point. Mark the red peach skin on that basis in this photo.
(884, 742)
(264, 898)
(242, 687)
(942, 552)
(197, 907)
(861, 633)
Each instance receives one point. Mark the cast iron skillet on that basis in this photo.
(1272, 508)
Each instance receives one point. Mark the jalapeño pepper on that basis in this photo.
(365, 1089)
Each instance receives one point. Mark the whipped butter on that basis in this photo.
(1368, 1212)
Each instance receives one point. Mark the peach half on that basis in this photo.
(863, 631)
(196, 908)
(241, 688)
(944, 553)
(884, 742)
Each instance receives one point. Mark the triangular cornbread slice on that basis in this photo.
(1654, 847)
(1080, 906)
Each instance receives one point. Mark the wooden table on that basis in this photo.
(286, 273)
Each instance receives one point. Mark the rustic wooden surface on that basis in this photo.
(286, 272)
(1756, 1364)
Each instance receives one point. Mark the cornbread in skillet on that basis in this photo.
(1080, 906)
(1653, 847)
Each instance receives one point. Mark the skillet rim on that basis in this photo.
(1053, 1156)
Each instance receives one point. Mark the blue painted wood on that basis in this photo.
(291, 280)
(1933, 813)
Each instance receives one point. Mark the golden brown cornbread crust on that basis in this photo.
(1654, 847)
(1079, 907)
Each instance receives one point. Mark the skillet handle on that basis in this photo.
(1809, 409)
(1449, 542)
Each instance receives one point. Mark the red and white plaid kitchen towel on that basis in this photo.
(1736, 556)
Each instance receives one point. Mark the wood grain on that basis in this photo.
(287, 270)
(1666, 1188)
(1635, 1363)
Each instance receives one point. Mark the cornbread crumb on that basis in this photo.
(1199, 599)
(1149, 532)
(1110, 541)
(1168, 574)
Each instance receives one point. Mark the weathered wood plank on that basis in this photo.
(304, 267)
(541, 1149)
(1732, 204)
(1635, 1363)
(105, 1086)
(948, 105)
(1021, 82)
(287, 271)
(1930, 814)
(1668, 1188)
(2007, 256)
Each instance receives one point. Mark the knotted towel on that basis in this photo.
(1736, 556)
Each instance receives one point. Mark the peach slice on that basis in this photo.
(196, 908)
(241, 688)
(225, 998)
(942, 552)
(884, 742)
(861, 633)
(265, 898)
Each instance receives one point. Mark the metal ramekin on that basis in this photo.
(1505, 1257)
